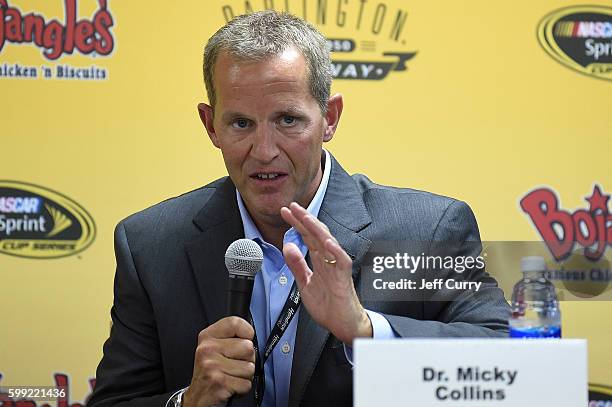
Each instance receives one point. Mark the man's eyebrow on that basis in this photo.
(290, 110)
(227, 116)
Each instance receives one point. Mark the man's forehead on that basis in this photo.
(283, 72)
(273, 88)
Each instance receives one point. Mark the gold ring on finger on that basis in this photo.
(328, 261)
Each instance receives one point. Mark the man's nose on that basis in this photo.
(264, 148)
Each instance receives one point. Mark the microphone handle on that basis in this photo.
(239, 291)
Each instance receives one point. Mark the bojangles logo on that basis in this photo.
(591, 228)
(84, 35)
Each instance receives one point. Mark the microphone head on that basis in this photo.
(243, 258)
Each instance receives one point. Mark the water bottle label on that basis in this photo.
(540, 332)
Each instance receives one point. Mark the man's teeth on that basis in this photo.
(267, 176)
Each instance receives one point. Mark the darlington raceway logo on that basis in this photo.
(580, 37)
(36, 222)
(374, 45)
(87, 36)
(591, 228)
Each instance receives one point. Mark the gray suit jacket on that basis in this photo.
(170, 283)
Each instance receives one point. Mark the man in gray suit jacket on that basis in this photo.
(268, 81)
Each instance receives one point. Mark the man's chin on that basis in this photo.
(269, 212)
(272, 211)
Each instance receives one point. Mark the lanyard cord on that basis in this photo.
(290, 308)
(292, 304)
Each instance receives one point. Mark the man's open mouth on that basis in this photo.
(268, 176)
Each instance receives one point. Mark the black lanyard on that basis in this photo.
(290, 308)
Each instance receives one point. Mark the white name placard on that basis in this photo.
(470, 372)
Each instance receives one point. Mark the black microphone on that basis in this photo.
(243, 260)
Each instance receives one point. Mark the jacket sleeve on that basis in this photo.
(452, 313)
(130, 372)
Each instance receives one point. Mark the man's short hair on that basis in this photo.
(260, 35)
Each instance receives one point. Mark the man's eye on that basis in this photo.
(240, 123)
(288, 120)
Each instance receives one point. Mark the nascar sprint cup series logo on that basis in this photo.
(367, 39)
(36, 222)
(580, 37)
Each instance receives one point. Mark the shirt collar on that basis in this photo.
(251, 231)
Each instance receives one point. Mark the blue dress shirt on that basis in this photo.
(270, 292)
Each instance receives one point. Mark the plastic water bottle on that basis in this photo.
(535, 308)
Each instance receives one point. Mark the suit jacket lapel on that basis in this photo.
(345, 214)
(220, 223)
(342, 210)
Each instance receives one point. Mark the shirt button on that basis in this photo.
(283, 279)
(286, 348)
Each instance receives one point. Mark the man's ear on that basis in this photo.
(334, 111)
(206, 115)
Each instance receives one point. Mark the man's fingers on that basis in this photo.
(313, 232)
(289, 217)
(343, 260)
(238, 385)
(229, 327)
(224, 361)
(238, 368)
(321, 243)
(238, 348)
(222, 386)
(297, 264)
(232, 367)
(313, 227)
